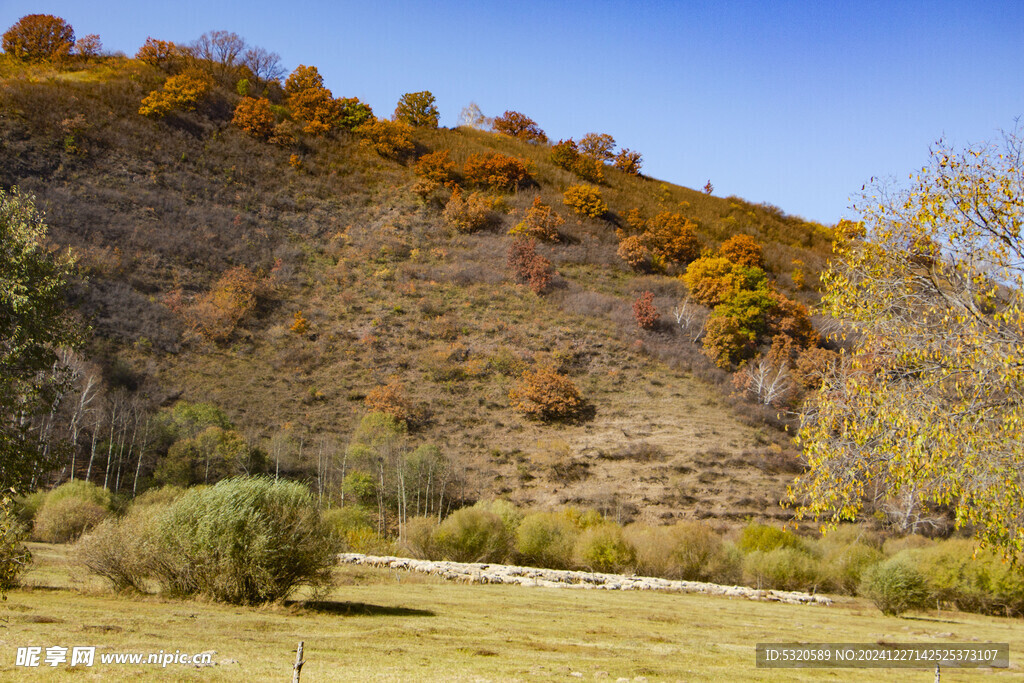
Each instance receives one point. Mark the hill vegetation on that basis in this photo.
(280, 262)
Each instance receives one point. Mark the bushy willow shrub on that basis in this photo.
(243, 541)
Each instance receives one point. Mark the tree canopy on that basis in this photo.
(928, 410)
(33, 325)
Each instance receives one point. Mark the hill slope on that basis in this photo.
(160, 210)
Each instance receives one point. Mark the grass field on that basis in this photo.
(383, 625)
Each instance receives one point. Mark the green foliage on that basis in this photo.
(34, 323)
(764, 538)
(843, 565)
(66, 519)
(243, 541)
(419, 537)
(82, 490)
(546, 539)
(207, 457)
(14, 556)
(349, 525)
(351, 113)
(38, 38)
(782, 568)
(123, 550)
(974, 580)
(417, 109)
(603, 548)
(473, 535)
(688, 551)
(361, 487)
(895, 586)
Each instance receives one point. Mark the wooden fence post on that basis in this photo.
(299, 661)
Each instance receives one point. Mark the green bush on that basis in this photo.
(546, 539)
(66, 518)
(419, 537)
(82, 490)
(27, 506)
(604, 548)
(895, 586)
(843, 565)
(14, 556)
(690, 551)
(782, 568)
(124, 551)
(245, 540)
(511, 516)
(349, 525)
(162, 495)
(764, 538)
(970, 581)
(473, 535)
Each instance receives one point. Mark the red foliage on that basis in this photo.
(645, 313)
(528, 266)
(497, 171)
(517, 125)
(39, 38)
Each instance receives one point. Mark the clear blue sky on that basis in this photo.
(792, 103)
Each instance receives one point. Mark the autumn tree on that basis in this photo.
(585, 201)
(466, 213)
(743, 250)
(931, 401)
(255, 117)
(222, 51)
(472, 117)
(673, 237)
(628, 161)
(265, 66)
(417, 109)
(39, 38)
(437, 167)
(390, 399)
(497, 171)
(541, 222)
(310, 102)
(597, 145)
(566, 154)
(88, 47)
(180, 92)
(159, 53)
(546, 394)
(518, 125)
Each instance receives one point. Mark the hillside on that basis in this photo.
(160, 210)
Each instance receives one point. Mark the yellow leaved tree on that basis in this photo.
(927, 412)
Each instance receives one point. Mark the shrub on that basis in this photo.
(628, 161)
(417, 109)
(541, 222)
(390, 399)
(645, 313)
(742, 250)
(123, 551)
(783, 568)
(597, 146)
(764, 538)
(635, 253)
(843, 565)
(689, 551)
(970, 579)
(349, 526)
(547, 395)
(792, 319)
(589, 169)
(437, 167)
(387, 138)
(510, 515)
(527, 266)
(564, 154)
(244, 541)
(419, 537)
(65, 519)
(255, 117)
(603, 548)
(26, 506)
(466, 214)
(179, 93)
(585, 200)
(673, 237)
(82, 490)
(350, 113)
(546, 539)
(725, 342)
(895, 586)
(517, 125)
(159, 53)
(90, 46)
(713, 280)
(496, 171)
(38, 38)
(162, 495)
(14, 556)
(234, 296)
(473, 535)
